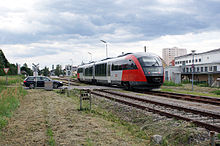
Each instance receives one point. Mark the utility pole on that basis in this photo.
(193, 53)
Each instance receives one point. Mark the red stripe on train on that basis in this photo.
(135, 74)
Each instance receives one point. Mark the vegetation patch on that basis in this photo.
(217, 92)
(51, 140)
(169, 83)
(141, 125)
(123, 127)
(9, 99)
(211, 94)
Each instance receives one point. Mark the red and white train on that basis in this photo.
(131, 70)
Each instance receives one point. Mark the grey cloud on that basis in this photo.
(63, 19)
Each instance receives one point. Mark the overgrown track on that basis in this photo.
(210, 121)
(194, 98)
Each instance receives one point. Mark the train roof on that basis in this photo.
(137, 55)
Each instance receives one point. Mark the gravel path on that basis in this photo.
(42, 109)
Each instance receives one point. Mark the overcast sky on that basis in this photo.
(64, 31)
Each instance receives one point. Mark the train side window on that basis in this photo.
(109, 67)
(100, 69)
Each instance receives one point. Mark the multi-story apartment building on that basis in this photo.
(168, 54)
(206, 65)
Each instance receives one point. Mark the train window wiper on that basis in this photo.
(155, 63)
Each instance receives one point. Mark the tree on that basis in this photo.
(26, 70)
(45, 71)
(58, 70)
(5, 64)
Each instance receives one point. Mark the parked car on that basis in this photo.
(39, 81)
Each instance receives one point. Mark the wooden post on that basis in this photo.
(6, 80)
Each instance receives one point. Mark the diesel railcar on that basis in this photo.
(131, 70)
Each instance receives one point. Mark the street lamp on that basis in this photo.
(193, 53)
(105, 47)
(91, 55)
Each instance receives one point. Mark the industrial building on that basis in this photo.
(206, 67)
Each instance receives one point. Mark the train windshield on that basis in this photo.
(151, 65)
(147, 61)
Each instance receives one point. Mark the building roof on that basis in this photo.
(211, 51)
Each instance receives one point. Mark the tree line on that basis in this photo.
(13, 68)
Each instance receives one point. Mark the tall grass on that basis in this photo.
(9, 98)
(11, 80)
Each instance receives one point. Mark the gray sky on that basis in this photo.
(56, 31)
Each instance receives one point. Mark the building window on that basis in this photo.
(190, 69)
(201, 69)
(189, 61)
(187, 69)
(210, 68)
(197, 69)
(199, 59)
(186, 61)
(184, 69)
(206, 69)
(196, 60)
(214, 68)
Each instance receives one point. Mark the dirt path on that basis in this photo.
(41, 110)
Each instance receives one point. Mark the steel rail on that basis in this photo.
(202, 124)
(204, 113)
(194, 98)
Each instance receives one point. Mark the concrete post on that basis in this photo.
(212, 138)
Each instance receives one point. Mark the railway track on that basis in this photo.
(208, 120)
(187, 97)
(193, 98)
(66, 81)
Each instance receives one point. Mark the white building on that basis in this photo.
(168, 54)
(206, 65)
(68, 70)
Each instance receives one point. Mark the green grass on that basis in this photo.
(109, 116)
(169, 83)
(217, 92)
(51, 140)
(9, 99)
(11, 80)
(191, 92)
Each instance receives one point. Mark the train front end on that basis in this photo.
(153, 70)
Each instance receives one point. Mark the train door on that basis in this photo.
(109, 65)
(83, 74)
